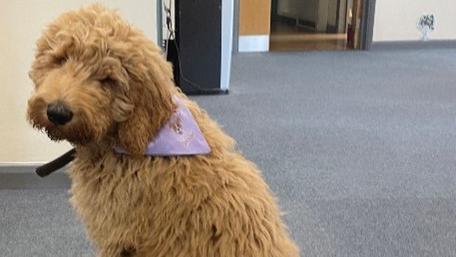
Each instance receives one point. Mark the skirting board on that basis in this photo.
(24, 177)
(400, 45)
(253, 43)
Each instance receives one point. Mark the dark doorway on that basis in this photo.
(315, 24)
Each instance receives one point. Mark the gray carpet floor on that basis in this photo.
(360, 148)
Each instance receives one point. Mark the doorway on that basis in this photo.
(307, 25)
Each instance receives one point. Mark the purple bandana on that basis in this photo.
(179, 136)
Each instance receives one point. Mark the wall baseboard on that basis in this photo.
(413, 44)
(24, 177)
(253, 43)
(21, 164)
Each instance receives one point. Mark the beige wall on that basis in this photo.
(396, 20)
(20, 24)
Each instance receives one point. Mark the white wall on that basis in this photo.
(21, 22)
(396, 20)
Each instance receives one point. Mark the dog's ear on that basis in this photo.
(150, 92)
(150, 113)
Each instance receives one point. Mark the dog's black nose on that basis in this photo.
(58, 113)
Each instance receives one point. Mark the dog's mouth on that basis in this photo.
(69, 133)
(75, 131)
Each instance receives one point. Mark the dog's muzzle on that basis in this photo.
(58, 113)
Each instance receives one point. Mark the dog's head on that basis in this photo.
(96, 78)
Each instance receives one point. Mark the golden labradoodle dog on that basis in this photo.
(105, 88)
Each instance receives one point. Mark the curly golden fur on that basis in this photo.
(120, 88)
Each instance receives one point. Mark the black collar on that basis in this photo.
(56, 164)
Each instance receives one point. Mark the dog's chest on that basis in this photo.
(114, 201)
(123, 199)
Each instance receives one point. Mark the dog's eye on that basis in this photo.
(60, 60)
(107, 81)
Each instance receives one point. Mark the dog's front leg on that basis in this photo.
(116, 250)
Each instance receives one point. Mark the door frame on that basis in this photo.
(366, 31)
(159, 7)
(236, 26)
(367, 24)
